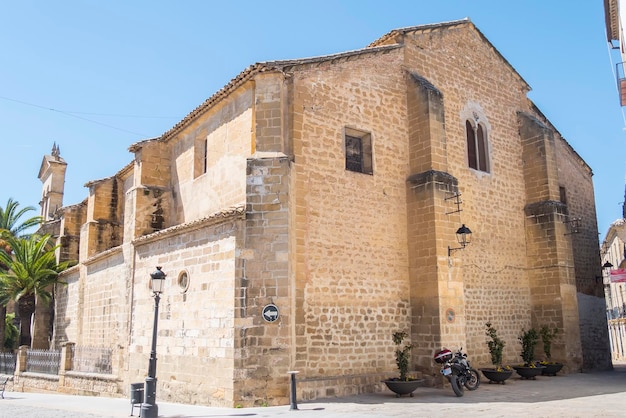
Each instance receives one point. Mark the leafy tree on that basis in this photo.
(32, 270)
(11, 225)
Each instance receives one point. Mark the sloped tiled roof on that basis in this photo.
(611, 17)
(259, 67)
(388, 42)
(394, 33)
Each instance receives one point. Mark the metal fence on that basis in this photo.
(43, 361)
(7, 363)
(92, 359)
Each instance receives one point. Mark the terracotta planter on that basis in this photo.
(551, 369)
(403, 387)
(529, 373)
(497, 376)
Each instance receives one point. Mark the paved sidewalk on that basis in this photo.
(597, 394)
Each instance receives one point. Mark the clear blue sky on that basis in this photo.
(98, 76)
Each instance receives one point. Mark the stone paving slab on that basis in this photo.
(598, 394)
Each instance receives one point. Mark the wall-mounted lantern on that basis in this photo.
(463, 236)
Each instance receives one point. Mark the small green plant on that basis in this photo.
(496, 345)
(529, 340)
(547, 336)
(403, 354)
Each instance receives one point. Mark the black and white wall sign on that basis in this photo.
(270, 312)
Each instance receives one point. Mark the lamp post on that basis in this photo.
(606, 279)
(149, 409)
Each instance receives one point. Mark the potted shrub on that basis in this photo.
(497, 374)
(403, 384)
(528, 370)
(547, 336)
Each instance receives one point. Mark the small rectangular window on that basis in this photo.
(206, 153)
(562, 195)
(358, 151)
(201, 154)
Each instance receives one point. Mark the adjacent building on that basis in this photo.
(308, 210)
(613, 250)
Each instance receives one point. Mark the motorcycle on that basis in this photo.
(456, 368)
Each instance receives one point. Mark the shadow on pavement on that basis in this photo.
(544, 388)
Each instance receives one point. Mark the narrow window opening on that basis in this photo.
(482, 150)
(562, 195)
(471, 146)
(200, 157)
(205, 156)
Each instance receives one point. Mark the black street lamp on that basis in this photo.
(463, 236)
(149, 409)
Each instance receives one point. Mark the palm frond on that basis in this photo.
(10, 216)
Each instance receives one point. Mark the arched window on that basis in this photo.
(477, 150)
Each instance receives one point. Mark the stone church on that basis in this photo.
(309, 209)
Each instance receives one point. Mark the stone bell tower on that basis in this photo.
(52, 176)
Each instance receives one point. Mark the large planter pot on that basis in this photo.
(403, 387)
(529, 373)
(497, 376)
(551, 369)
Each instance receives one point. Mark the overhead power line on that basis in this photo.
(76, 114)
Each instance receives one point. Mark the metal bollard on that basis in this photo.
(293, 405)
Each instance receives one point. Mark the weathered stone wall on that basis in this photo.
(36, 382)
(66, 312)
(226, 129)
(152, 194)
(73, 218)
(263, 348)
(576, 178)
(491, 270)
(195, 347)
(349, 220)
(105, 301)
(350, 244)
(548, 245)
(86, 384)
(102, 228)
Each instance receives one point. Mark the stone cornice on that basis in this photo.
(237, 212)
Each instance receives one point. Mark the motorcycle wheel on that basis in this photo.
(456, 386)
(473, 380)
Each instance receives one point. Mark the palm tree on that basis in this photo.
(10, 225)
(32, 270)
(10, 217)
